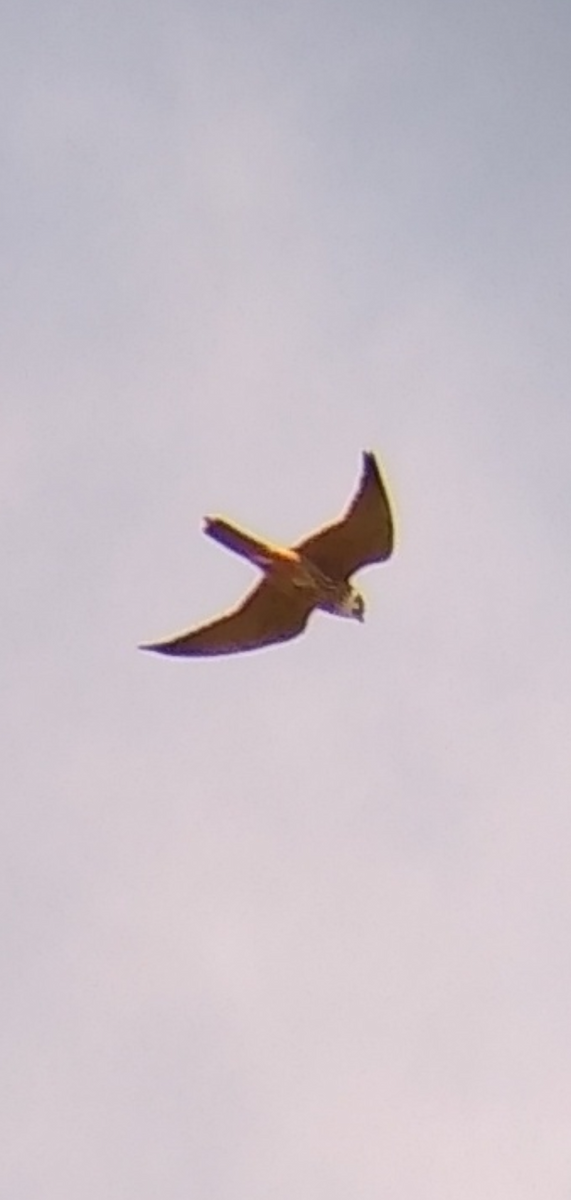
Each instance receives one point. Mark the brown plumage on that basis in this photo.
(315, 573)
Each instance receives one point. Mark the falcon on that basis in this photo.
(315, 573)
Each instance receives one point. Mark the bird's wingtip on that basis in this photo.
(370, 462)
(173, 647)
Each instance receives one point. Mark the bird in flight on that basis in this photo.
(315, 573)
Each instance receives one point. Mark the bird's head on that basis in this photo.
(352, 605)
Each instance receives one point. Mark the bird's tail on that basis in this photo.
(237, 540)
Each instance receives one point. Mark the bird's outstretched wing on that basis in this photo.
(265, 616)
(364, 534)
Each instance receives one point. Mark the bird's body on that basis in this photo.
(298, 579)
(284, 568)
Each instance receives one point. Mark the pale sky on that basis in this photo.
(294, 925)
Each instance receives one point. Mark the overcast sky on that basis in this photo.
(294, 925)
